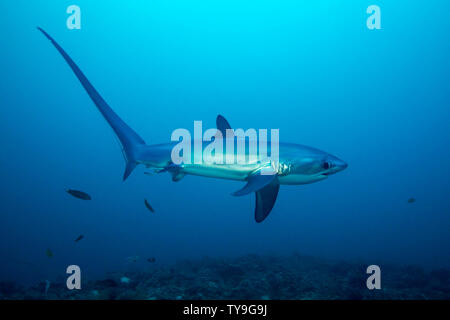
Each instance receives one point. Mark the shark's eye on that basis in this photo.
(326, 165)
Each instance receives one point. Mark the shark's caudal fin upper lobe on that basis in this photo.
(130, 140)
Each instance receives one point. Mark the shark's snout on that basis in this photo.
(334, 165)
(340, 165)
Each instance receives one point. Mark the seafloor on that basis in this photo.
(249, 277)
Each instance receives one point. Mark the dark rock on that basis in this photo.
(108, 283)
(9, 288)
(250, 277)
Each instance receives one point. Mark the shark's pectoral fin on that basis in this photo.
(255, 182)
(265, 200)
(266, 189)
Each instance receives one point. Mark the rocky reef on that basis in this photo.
(249, 277)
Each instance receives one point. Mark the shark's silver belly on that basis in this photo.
(221, 171)
(159, 156)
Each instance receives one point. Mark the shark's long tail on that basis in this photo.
(131, 142)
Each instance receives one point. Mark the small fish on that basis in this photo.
(79, 238)
(151, 260)
(79, 194)
(149, 207)
(411, 200)
(132, 259)
(49, 253)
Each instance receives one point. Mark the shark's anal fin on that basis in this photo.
(265, 200)
(255, 182)
(177, 176)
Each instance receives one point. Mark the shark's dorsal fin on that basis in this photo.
(265, 200)
(222, 125)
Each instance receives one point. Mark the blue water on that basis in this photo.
(379, 99)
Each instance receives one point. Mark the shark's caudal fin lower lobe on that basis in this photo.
(130, 140)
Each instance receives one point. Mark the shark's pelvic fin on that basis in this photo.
(174, 170)
(255, 182)
(265, 200)
(130, 140)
